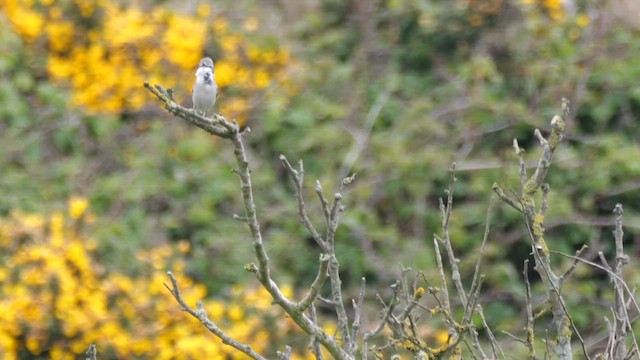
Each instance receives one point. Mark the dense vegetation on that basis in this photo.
(394, 91)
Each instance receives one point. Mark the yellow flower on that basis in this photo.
(77, 206)
(184, 40)
(57, 230)
(261, 79)
(26, 22)
(225, 72)
(203, 10)
(552, 4)
(230, 45)
(126, 27)
(215, 309)
(127, 45)
(55, 12)
(234, 106)
(59, 67)
(87, 7)
(582, 20)
(60, 35)
(33, 344)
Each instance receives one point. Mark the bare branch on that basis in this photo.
(386, 313)
(523, 168)
(312, 295)
(284, 355)
(217, 125)
(530, 319)
(622, 320)
(471, 304)
(298, 180)
(561, 316)
(513, 337)
(357, 309)
(333, 220)
(514, 204)
(362, 136)
(323, 201)
(453, 261)
(347, 181)
(573, 265)
(545, 199)
(443, 279)
(92, 352)
(201, 315)
(314, 344)
(495, 347)
(609, 271)
(534, 222)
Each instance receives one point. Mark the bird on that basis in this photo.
(205, 89)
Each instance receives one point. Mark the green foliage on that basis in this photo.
(455, 83)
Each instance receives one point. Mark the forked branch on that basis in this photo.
(220, 127)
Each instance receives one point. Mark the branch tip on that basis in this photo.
(618, 211)
(566, 109)
(349, 179)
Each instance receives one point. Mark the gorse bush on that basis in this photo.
(56, 297)
(103, 51)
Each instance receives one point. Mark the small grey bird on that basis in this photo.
(205, 88)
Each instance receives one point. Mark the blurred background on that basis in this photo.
(102, 191)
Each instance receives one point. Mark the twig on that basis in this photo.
(361, 141)
(284, 355)
(514, 204)
(455, 272)
(443, 279)
(332, 215)
(534, 222)
(201, 315)
(386, 313)
(573, 265)
(545, 199)
(92, 352)
(323, 201)
(561, 315)
(513, 337)
(523, 168)
(622, 319)
(314, 344)
(215, 126)
(357, 309)
(529, 329)
(495, 347)
(608, 270)
(314, 290)
(298, 180)
(219, 126)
